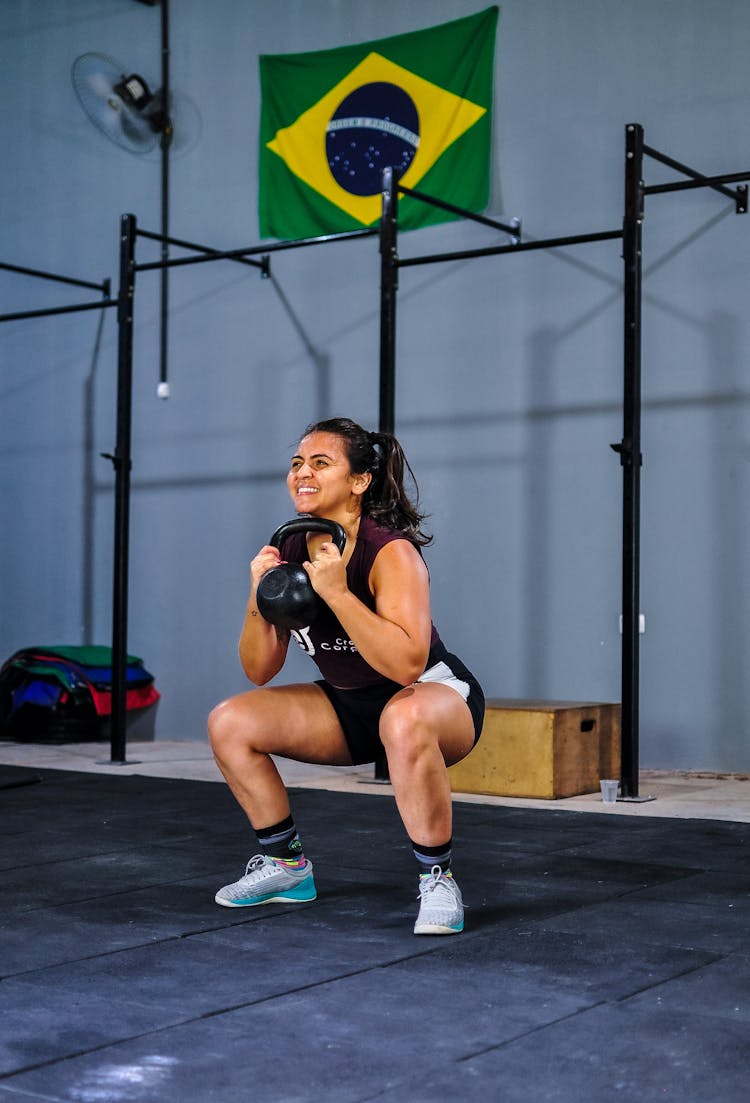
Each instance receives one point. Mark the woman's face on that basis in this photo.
(320, 480)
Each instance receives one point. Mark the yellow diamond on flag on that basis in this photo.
(428, 120)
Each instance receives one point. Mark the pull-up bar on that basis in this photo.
(739, 195)
(104, 287)
(122, 458)
(57, 310)
(629, 448)
(390, 264)
(240, 254)
(191, 245)
(514, 228)
(522, 247)
(707, 182)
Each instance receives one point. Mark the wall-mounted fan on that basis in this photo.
(122, 105)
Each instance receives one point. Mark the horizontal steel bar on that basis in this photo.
(433, 202)
(657, 155)
(197, 248)
(523, 247)
(702, 182)
(52, 276)
(58, 310)
(233, 254)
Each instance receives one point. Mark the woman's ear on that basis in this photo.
(361, 482)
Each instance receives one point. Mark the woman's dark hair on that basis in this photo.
(385, 499)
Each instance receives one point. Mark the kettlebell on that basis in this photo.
(285, 594)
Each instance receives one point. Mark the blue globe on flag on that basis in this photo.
(375, 126)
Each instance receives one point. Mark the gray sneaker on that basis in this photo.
(266, 882)
(441, 907)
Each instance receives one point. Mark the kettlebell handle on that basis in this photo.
(285, 594)
(308, 523)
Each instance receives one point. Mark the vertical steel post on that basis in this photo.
(122, 465)
(630, 456)
(388, 290)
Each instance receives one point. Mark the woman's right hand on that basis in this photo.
(265, 560)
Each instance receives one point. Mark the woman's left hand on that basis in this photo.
(327, 572)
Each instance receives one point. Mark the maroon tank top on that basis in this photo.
(325, 641)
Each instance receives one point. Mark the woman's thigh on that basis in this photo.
(296, 722)
(438, 711)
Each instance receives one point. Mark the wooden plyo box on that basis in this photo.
(544, 749)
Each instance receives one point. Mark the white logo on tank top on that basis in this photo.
(302, 636)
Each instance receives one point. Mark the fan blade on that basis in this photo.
(94, 78)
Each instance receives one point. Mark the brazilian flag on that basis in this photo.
(332, 120)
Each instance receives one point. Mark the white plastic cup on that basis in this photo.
(609, 789)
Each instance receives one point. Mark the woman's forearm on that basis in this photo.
(262, 647)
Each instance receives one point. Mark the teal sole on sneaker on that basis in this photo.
(427, 928)
(297, 895)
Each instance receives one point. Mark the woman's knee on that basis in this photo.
(408, 724)
(229, 724)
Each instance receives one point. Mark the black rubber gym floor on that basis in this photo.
(604, 957)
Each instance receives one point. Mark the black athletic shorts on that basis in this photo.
(359, 710)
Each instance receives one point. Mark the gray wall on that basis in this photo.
(509, 369)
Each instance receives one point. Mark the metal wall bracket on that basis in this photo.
(624, 449)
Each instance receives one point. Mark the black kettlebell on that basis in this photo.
(285, 595)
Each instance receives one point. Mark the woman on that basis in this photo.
(388, 682)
